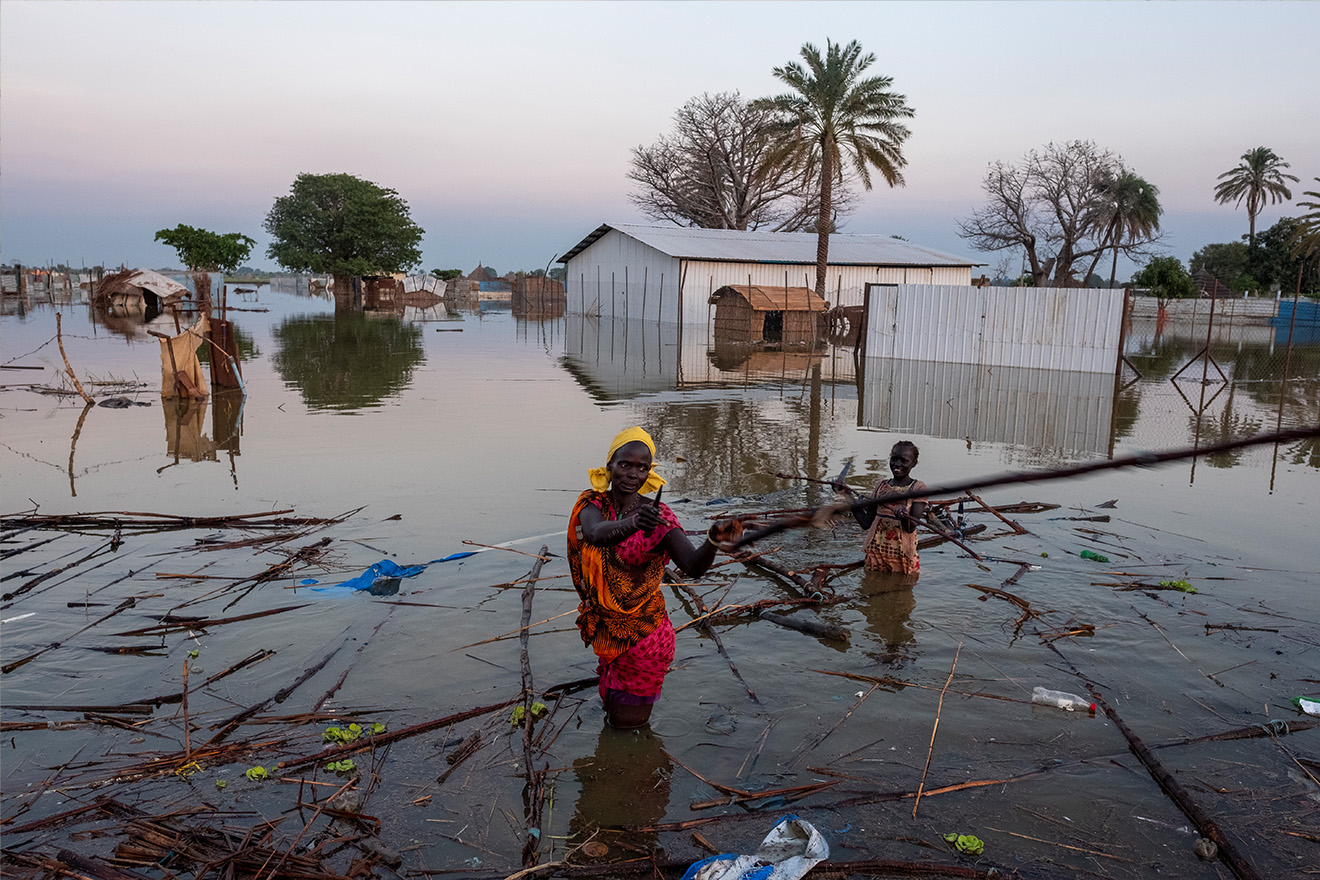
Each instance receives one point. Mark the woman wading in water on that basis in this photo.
(618, 545)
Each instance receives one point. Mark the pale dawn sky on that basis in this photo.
(507, 127)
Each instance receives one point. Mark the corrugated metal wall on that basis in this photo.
(1054, 411)
(1050, 328)
(620, 277)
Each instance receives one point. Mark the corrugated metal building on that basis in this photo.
(668, 273)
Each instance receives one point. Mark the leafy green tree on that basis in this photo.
(204, 251)
(1166, 278)
(343, 226)
(446, 274)
(1230, 262)
(1278, 261)
(1259, 177)
(833, 116)
(1128, 209)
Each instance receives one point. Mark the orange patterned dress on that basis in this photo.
(622, 613)
(888, 547)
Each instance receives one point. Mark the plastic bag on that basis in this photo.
(791, 849)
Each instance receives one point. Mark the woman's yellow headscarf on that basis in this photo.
(600, 477)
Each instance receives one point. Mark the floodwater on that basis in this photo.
(436, 432)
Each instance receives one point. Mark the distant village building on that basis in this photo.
(670, 273)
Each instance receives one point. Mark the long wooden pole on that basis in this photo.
(1143, 459)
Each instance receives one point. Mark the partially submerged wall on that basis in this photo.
(1076, 329)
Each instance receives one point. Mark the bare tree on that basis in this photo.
(715, 170)
(1056, 206)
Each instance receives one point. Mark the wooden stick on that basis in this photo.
(59, 337)
(544, 549)
(517, 631)
(931, 749)
(715, 637)
(1008, 522)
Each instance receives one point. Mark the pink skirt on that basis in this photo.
(635, 677)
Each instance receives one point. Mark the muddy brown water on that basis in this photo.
(485, 435)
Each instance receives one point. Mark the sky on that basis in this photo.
(508, 127)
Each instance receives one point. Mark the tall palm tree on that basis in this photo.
(1128, 213)
(833, 116)
(1259, 177)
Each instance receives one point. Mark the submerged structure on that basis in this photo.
(669, 273)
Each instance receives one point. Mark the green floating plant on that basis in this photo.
(965, 843)
(220, 784)
(194, 654)
(1178, 585)
(351, 733)
(519, 715)
(257, 772)
(341, 767)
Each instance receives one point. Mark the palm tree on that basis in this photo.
(1129, 212)
(833, 116)
(1260, 176)
(1306, 240)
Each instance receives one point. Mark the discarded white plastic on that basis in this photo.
(1062, 700)
(1310, 707)
(790, 850)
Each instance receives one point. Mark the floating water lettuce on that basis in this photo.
(257, 772)
(220, 784)
(965, 843)
(351, 733)
(344, 766)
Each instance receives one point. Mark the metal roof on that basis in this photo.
(737, 246)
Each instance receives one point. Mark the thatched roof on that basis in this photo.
(481, 273)
(774, 299)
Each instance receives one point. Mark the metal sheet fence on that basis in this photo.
(1074, 329)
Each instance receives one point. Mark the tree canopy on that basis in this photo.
(1258, 177)
(204, 251)
(832, 118)
(1064, 206)
(717, 169)
(344, 226)
(1166, 278)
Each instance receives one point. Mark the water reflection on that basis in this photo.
(887, 602)
(347, 361)
(621, 359)
(1059, 414)
(626, 783)
(185, 422)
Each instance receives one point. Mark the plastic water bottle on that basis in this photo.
(1061, 700)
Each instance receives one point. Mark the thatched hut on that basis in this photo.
(751, 313)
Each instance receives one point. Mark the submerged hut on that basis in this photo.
(754, 313)
(137, 292)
